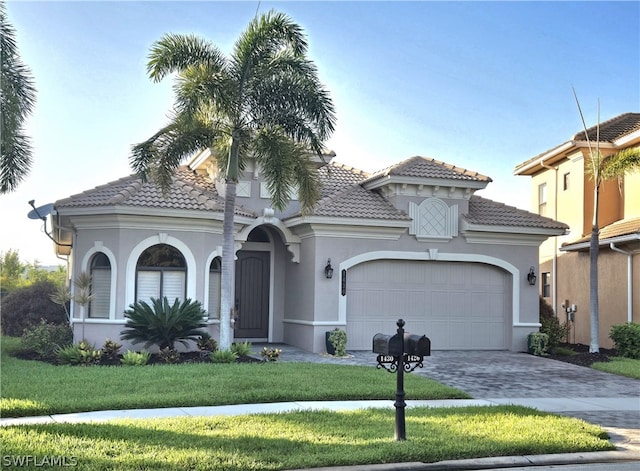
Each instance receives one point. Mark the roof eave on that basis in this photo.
(385, 180)
(623, 239)
(542, 231)
(396, 223)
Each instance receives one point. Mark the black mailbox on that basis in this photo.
(419, 345)
(386, 344)
(391, 345)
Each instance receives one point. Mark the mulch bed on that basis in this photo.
(582, 356)
(155, 359)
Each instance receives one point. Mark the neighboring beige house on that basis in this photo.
(562, 189)
(412, 241)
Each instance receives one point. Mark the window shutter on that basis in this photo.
(214, 295)
(148, 285)
(173, 285)
(101, 292)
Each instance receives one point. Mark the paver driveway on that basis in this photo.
(503, 374)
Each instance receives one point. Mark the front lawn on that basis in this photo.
(302, 439)
(620, 366)
(35, 388)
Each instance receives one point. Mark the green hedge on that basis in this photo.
(627, 339)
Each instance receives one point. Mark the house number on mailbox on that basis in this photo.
(397, 354)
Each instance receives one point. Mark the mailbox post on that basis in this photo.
(397, 354)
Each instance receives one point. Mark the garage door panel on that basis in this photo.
(458, 305)
(405, 303)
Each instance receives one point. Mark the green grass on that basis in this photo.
(620, 366)
(35, 388)
(303, 439)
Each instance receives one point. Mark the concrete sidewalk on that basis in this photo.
(556, 405)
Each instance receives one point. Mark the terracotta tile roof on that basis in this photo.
(336, 176)
(620, 228)
(356, 202)
(422, 167)
(188, 191)
(612, 129)
(491, 213)
(342, 196)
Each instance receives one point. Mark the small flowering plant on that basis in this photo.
(270, 354)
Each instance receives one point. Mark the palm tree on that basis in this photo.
(17, 99)
(601, 169)
(263, 101)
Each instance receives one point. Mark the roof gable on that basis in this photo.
(425, 168)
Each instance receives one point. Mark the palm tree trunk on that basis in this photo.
(228, 268)
(594, 248)
(227, 284)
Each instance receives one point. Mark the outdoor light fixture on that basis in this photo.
(531, 277)
(328, 270)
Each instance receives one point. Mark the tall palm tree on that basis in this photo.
(601, 169)
(263, 101)
(17, 99)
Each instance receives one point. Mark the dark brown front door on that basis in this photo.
(252, 294)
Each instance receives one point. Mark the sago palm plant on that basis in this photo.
(163, 324)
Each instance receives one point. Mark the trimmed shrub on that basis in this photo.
(44, 339)
(169, 355)
(206, 343)
(537, 343)
(135, 359)
(110, 350)
(241, 349)
(163, 324)
(627, 339)
(338, 338)
(69, 354)
(557, 332)
(25, 307)
(223, 356)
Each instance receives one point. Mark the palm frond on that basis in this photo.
(624, 161)
(177, 52)
(158, 157)
(17, 100)
(286, 167)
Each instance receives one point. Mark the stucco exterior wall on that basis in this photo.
(573, 285)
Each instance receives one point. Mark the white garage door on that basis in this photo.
(458, 305)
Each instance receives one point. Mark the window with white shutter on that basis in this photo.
(100, 304)
(214, 288)
(161, 271)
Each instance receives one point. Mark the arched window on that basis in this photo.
(214, 288)
(100, 269)
(161, 271)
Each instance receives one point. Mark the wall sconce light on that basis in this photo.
(531, 277)
(328, 270)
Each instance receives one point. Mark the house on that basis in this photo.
(412, 241)
(561, 188)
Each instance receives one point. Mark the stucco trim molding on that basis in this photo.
(312, 323)
(291, 241)
(434, 255)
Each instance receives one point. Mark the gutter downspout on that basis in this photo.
(554, 263)
(629, 255)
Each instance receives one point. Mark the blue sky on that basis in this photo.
(481, 85)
